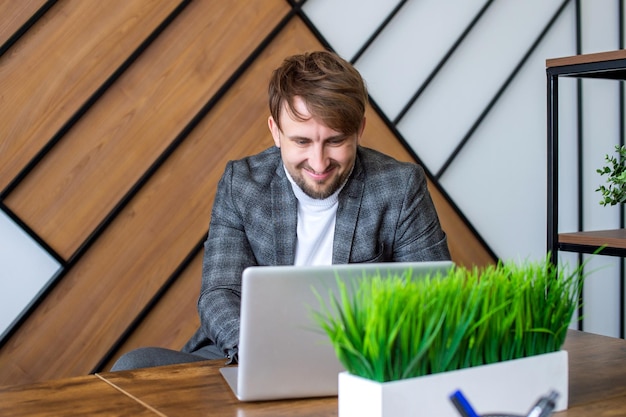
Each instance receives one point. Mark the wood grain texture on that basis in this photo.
(15, 14)
(597, 383)
(216, 140)
(201, 391)
(81, 396)
(596, 378)
(95, 302)
(597, 364)
(586, 58)
(615, 238)
(173, 320)
(100, 159)
(58, 64)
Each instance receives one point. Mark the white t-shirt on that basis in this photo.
(316, 227)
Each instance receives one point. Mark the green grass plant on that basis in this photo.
(392, 327)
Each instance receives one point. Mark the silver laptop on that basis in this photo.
(282, 351)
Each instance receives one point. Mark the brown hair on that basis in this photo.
(331, 87)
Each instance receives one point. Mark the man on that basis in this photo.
(316, 197)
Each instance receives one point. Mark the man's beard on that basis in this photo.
(320, 194)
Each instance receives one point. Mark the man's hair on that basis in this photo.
(332, 89)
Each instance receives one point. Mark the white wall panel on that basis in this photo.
(450, 106)
(499, 179)
(568, 152)
(406, 52)
(25, 270)
(347, 24)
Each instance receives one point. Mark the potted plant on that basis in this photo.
(615, 192)
(408, 343)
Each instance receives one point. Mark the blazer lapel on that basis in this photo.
(347, 214)
(284, 218)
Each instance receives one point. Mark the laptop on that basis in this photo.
(282, 351)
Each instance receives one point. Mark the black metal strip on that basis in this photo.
(153, 169)
(22, 316)
(553, 166)
(26, 26)
(442, 62)
(501, 91)
(30, 232)
(378, 31)
(622, 135)
(592, 249)
(147, 309)
(31, 165)
(91, 101)
(579, 139)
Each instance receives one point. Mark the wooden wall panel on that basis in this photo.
(60, 63)
(14, 14)
(172, 321)
(100, 159)
(107, 289)
(237, 127)
(101, 296)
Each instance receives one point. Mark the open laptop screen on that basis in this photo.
(282, 352)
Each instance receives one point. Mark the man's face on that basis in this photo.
(318, 158)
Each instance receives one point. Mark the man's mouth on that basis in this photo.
(319, 176)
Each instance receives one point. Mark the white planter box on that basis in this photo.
(507, 387)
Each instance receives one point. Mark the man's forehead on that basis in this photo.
(297, 109)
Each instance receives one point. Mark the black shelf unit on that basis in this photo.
(605, 65)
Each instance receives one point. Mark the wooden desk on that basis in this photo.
(597, 388)
(81, 396)
(200, 390)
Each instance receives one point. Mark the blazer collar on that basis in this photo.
(347, 214)
(284, 216)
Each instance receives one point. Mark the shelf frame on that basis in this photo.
(604, 65)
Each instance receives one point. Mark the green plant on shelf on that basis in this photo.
(387, 328)
(615, 192)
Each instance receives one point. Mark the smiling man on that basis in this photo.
(316, 197)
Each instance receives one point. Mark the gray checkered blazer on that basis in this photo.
(385, 214)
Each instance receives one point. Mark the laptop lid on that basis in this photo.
(282, 351)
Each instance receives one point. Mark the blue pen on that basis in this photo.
(461, 404)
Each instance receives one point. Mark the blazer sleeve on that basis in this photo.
(419, 236)
(226, 253)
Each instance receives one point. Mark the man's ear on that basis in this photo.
(275, 130)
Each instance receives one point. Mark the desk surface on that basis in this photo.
(597, 388)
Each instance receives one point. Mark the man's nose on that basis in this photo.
(318, 160)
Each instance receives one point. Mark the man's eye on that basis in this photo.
(337, 141)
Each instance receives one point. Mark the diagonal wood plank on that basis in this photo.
(15, 14)
(99, 160)
(173, 320)
(59, 63)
